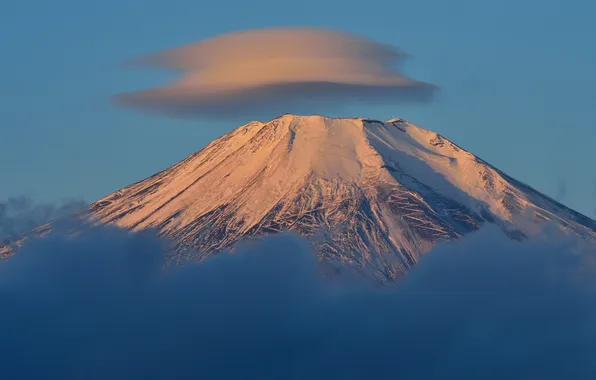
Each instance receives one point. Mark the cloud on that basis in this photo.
(19, 215)
(100, 306)
(594, 211)
(266, 72)
(561, 191)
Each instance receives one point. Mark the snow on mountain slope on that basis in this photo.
(371, 196)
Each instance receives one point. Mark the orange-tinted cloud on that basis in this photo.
(274, 71)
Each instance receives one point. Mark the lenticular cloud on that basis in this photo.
(270, 71)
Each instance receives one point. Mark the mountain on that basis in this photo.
(371, 196)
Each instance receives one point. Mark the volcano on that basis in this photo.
(369, 195)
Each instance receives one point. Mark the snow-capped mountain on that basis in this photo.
(371, 195)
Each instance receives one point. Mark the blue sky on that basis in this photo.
(516, 78)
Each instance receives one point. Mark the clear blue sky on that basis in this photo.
(517, 80)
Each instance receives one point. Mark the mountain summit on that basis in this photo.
(370, 195)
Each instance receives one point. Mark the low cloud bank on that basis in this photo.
(260, 74)
(101, 306)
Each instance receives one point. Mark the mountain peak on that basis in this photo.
(370, 195)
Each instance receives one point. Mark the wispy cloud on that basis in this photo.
(100, 306)
(272, 71)
(594, 211)
(561, 191)
(21, 214)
